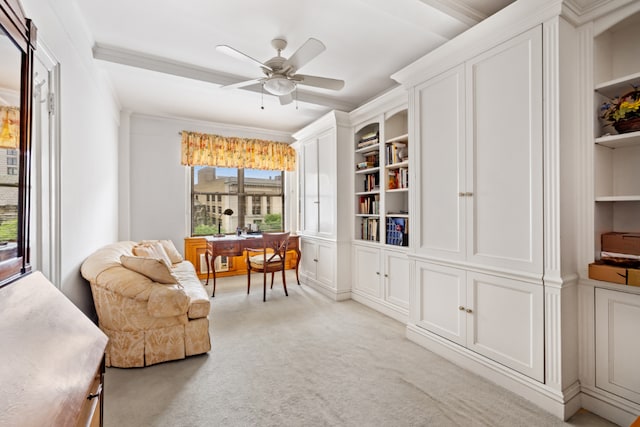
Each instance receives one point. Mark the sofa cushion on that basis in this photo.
(200, 303)
(152, 250)
(153, 268)
(169, 248)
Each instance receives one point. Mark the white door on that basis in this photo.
(309, 260)
(505, 322)
(504, 149)
(310, 186)
(441, 118)
(367, 271)
(396, 279)
(442, 299)
(326, 270)
(618, 343)
(327, 196)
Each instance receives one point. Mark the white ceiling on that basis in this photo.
(161, 59)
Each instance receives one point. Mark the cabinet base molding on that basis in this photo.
(611, 407)
(325, 290)
(386, 309)
(561, 404)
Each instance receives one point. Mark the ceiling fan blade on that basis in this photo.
(321, 82)
(305, 53)
(241, 84)
(234, 53)
(286, 99)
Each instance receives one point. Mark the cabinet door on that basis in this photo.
(310, 186)
(504, 149)
(441, 118)
(367, 270)
(442, 301)
(506, 322)
(326, 270)
(618, 343)
(397, 276)
(309, 260)
(327, 196)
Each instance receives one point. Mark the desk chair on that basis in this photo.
(268, 259)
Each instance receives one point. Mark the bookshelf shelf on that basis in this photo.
(381, 178)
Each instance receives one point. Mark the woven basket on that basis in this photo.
(629, 125)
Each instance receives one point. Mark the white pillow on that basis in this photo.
(153, 268)
(152, 249)
(169, 248)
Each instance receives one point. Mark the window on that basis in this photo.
(12, 161)
(244, 191)
(12, 171)
(255, 205)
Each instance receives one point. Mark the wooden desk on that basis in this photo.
(235, 246)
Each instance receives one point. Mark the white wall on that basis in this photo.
(159, 189)
(89, 144)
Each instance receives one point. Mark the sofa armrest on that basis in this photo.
(167, 301)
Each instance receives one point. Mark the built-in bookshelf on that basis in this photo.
(382, 180)
(367, 180)
(616, 150)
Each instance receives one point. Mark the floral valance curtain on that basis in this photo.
(9, 127)
(199, 149)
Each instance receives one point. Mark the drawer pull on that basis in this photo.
(461, 308)
(96, 394)
(468, 310)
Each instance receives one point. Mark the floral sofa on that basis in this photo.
(150, 303)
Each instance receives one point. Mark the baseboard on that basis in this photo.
(611, 407)
(325, 290)
(384, 308)
(561, 404)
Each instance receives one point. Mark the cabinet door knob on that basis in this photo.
(461, 194)
(461, 308)
(378, 273)
(469, 194)
(468, 310)
(386, 275)
(315, 260)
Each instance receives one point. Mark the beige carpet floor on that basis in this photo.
(305, 360)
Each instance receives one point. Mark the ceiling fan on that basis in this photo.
(280, 73)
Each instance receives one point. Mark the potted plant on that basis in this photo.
(623, 112)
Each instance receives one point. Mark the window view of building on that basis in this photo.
(255, 197)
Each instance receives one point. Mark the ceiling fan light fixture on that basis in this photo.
(278, 85)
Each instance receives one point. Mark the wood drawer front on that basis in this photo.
(228, 248)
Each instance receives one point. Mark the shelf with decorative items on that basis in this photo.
(616, 153)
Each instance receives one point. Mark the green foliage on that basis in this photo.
(272, 222)
(9, 231)
(204, 230)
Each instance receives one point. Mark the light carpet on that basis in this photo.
(305, 360)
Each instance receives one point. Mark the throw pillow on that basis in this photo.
(153, 268)
(152, 249)
(171, 250)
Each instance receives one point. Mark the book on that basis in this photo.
(397, 233)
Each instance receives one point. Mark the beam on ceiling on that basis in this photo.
(168, 66)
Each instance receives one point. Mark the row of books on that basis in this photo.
(398, 178)
(369, 229)
(397, 231)
(395, 153)
(370, 204)
(371, 182)
(368, 139)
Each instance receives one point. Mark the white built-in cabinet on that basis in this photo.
(318, 261)
(609, 313)
(497, 317)
(480, 184)
(617, 343)
(323, 155)
(380, 151)
(480, 204)
(381, 280)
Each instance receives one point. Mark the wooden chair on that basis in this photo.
(268, 259)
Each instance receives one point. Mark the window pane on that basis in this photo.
(8, 202)
(255, 197)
